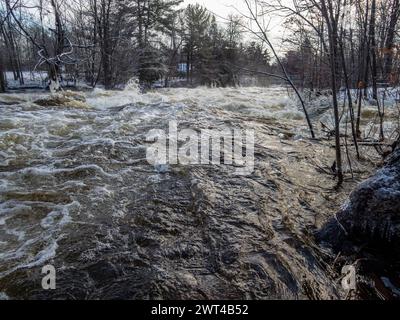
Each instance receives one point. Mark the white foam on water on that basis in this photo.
(47, 237)
(43, 145)
(43, 256)
(253, 97)
(4, 296)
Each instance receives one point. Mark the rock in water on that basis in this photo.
(65, 98)
(366, 232)
(373, 209)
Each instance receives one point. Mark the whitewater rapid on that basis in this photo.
(77, 192)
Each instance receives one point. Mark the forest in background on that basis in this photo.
(107, 42)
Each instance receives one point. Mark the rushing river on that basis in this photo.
(77, 192)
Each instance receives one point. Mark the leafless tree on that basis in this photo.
(257, 16)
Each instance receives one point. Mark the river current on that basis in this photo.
(77, 192)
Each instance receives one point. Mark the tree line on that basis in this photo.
(107, 42)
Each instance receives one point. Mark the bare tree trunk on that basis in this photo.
(381, 114)
(349, 98)
(54, 68)
(93, 55)
(106, 50)
(188, 66)
(394, 17)
(367, 51)
(289, 80)
(373, 51)
(331, 22)
(2, 78)
(363, 66)
(141, 39)
(9, 38)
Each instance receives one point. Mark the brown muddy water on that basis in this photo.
(76, 192)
